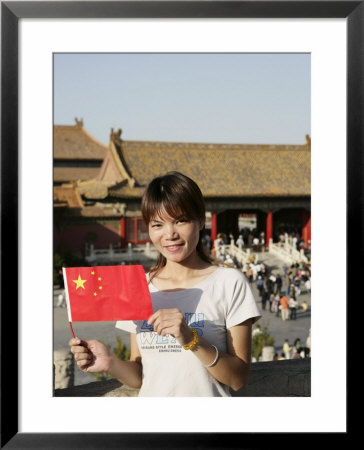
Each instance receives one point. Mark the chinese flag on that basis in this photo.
(106, 293)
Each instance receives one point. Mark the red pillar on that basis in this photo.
(269, 228)
(123, 231)
(306, 229)
(213, 228)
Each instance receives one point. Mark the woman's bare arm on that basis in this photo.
(128, 372)
(232, 367)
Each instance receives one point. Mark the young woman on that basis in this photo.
(198, 341)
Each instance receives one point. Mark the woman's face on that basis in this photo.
(176, 239)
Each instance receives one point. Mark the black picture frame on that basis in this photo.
(11, 12)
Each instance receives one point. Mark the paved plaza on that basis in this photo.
(107, 333)
(289, 329)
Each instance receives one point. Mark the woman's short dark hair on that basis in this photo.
(180, 197)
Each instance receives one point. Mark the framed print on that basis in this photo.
(31, 33)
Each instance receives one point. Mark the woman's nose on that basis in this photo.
(170, 231)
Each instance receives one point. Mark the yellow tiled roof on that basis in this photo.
(224, 169)
(221, 170)
(66, 174)
(74, 142)
(67, 195)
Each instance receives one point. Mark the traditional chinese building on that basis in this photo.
(100, 203)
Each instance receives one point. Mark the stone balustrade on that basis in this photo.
(287, 252)
(286, 378)
(148, 254)
(143, 253)
(238, 255)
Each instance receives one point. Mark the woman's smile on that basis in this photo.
(173, 248)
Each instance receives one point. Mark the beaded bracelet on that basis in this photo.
(216, 357)
(194, 340)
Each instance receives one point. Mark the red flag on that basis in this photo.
(107, 293)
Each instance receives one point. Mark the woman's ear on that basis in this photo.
(202, 224)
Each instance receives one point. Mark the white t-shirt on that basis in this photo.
(220, 301)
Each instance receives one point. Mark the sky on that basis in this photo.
(232, 98)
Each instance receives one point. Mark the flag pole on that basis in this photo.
(73, 334)
(68, 301)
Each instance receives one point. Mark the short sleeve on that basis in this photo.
(127, 325)
(242, 304)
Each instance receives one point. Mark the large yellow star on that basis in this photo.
(79, 282)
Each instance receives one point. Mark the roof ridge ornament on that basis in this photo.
(79, 123)
(115, 136)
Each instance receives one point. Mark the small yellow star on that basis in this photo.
(92, 273)
(100, 287)
(95, 293)
(99, 278)
(79, 282)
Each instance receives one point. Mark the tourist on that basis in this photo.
(269, 285)
(287, 349)
(304, 305)
(297, 290)
(292, 304)
(265, 298)
(263, 269)
(278, 284)
(294, 241)
(250, 274)
(250, 239)
(240, 241)
(203, 313)
(258, 268)
(260, 284)
(284, 307)
(288, 280)
(292, 290)
(61, 303)
(262, 241)
(308, 285)
(296, 350)
(275, 304)
(254, 269)
(256, 244)
(219, 241)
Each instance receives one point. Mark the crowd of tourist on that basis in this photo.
(280, 293)
(255, 239)
(247, 239)
(297, 350)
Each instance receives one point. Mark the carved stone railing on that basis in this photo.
(287, 252)
(286, 378)
(143, 253)
(238, 255)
